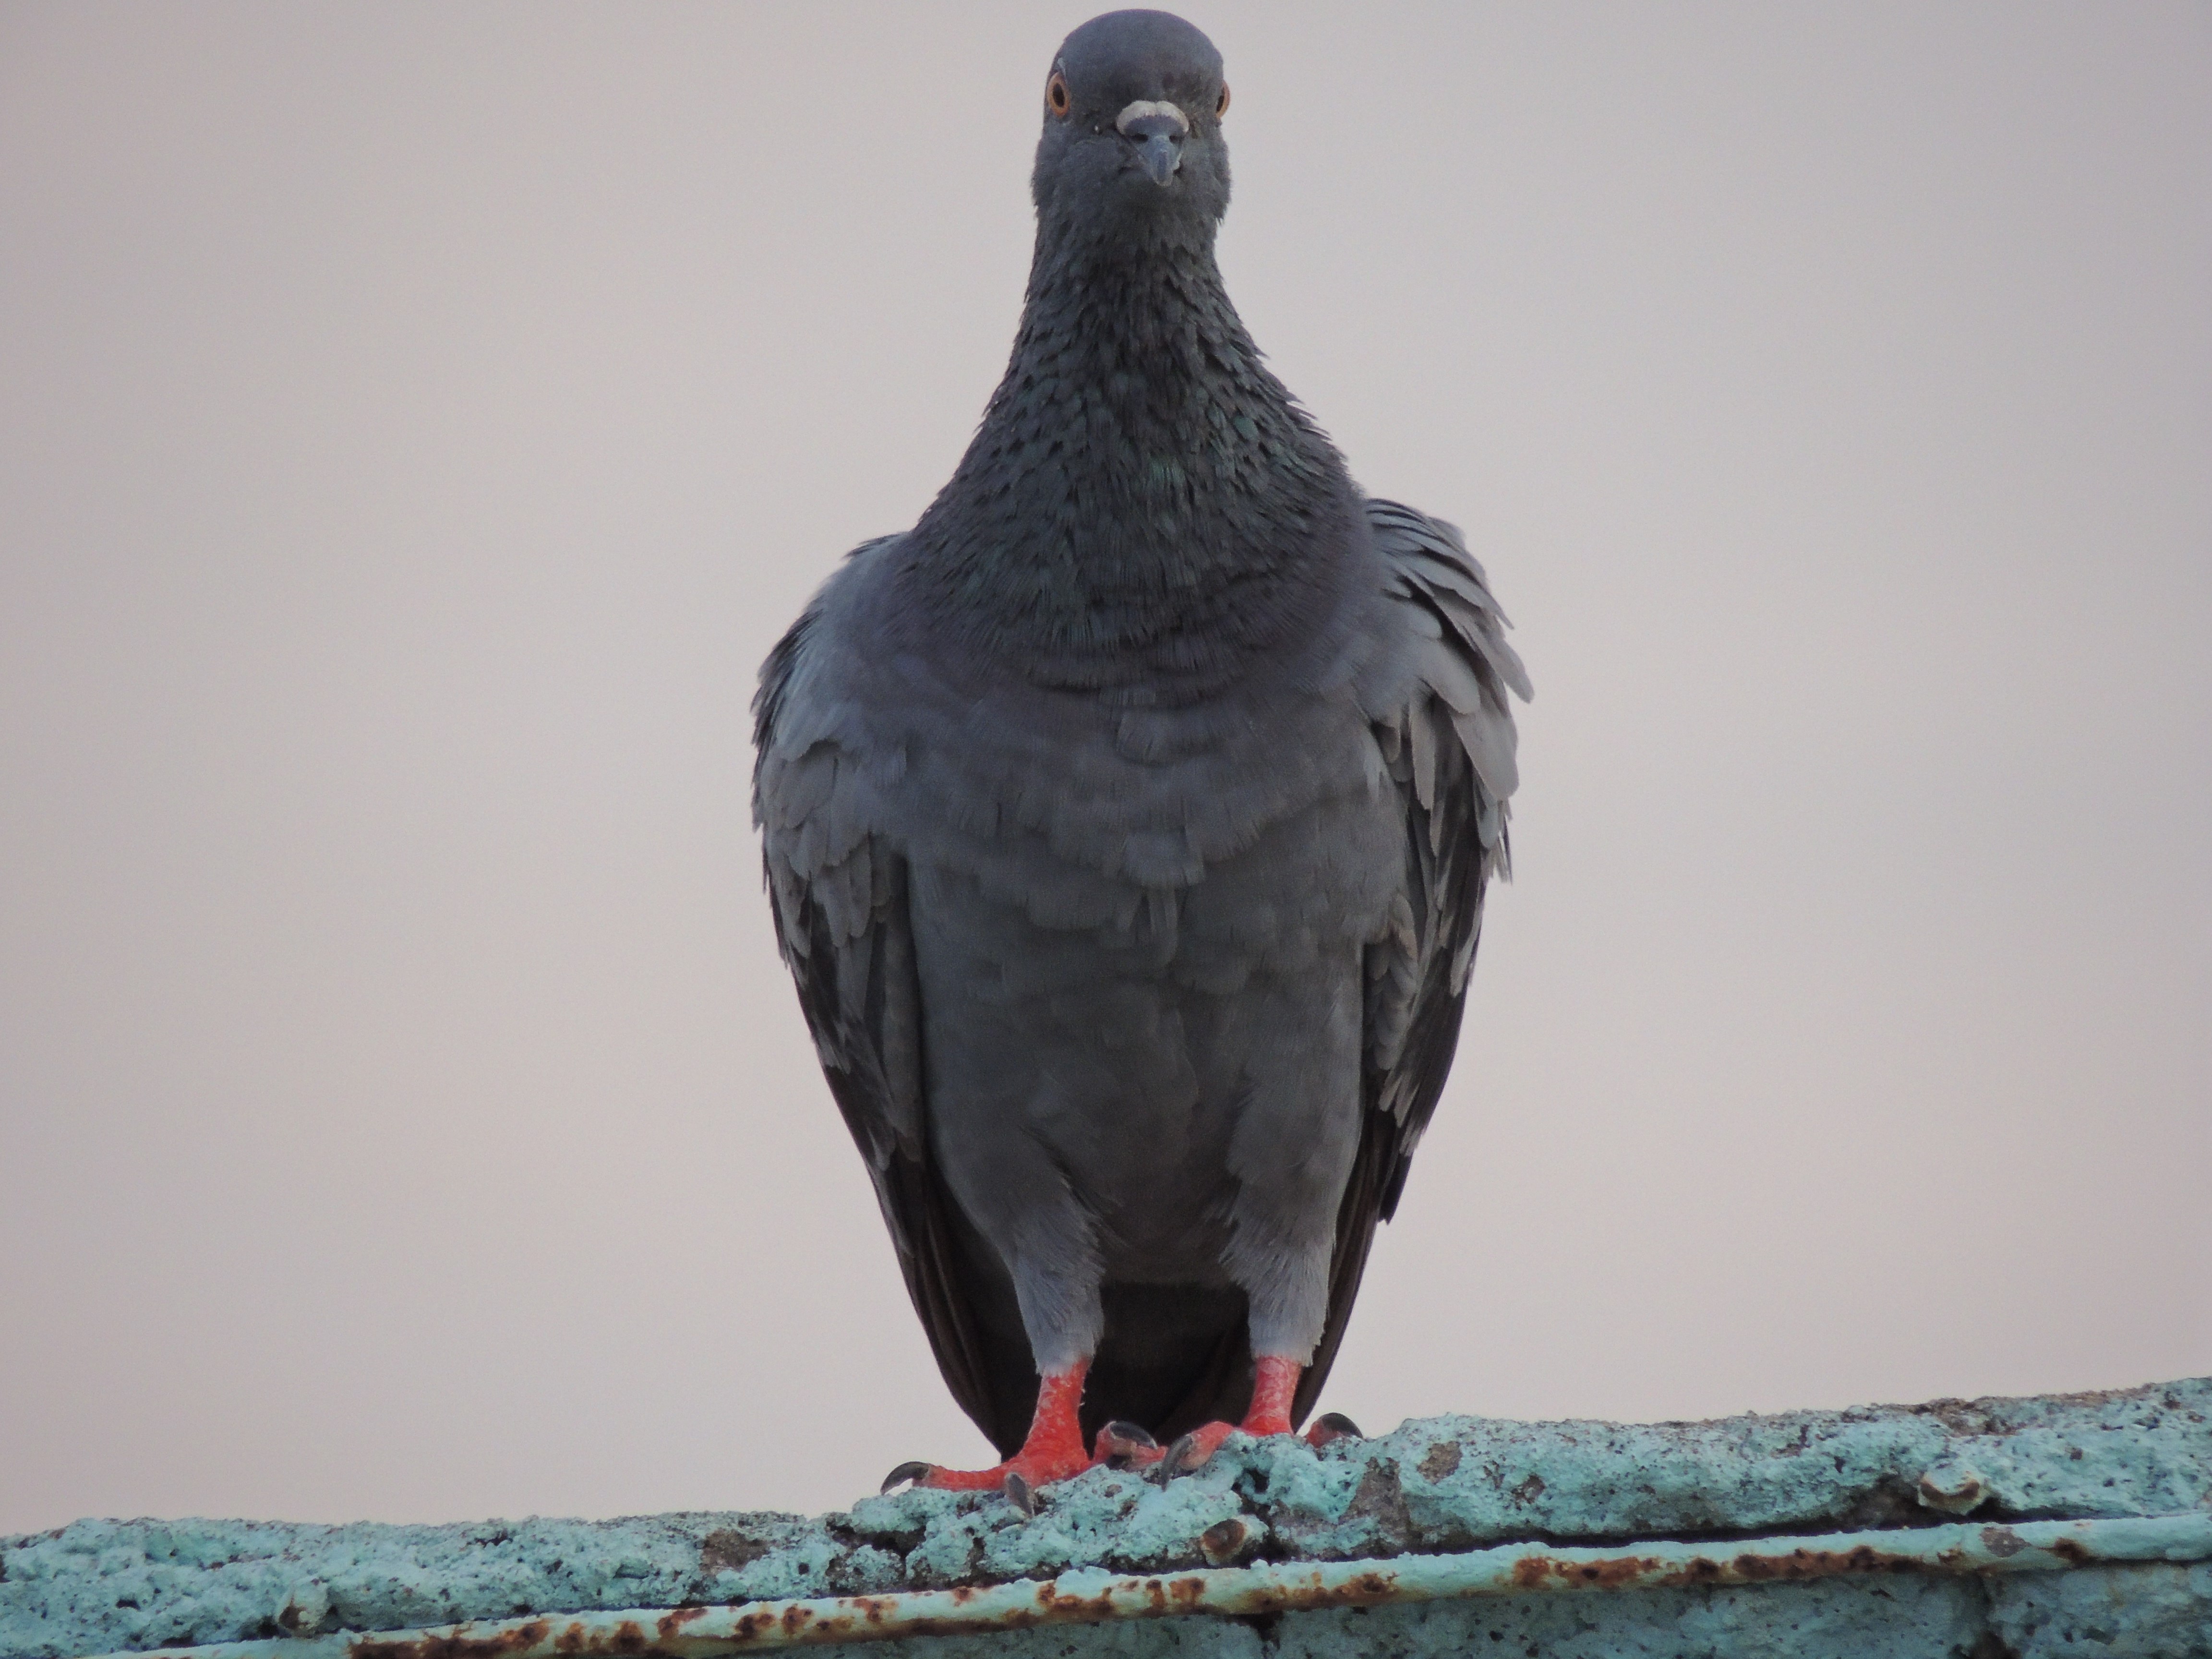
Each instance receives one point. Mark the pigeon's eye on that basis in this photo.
(1221, 103)
(1055, 92)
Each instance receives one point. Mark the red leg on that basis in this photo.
(1275, 1381)
(1053, 1451)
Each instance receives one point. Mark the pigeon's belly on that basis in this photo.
(1162, 1042)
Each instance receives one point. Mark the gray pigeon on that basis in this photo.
(1127, 826)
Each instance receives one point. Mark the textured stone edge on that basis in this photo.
(1438, 1487)
(1269, 1591)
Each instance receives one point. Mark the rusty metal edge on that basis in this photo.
(1094, 1595)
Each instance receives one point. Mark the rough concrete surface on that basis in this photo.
(1441, 1485)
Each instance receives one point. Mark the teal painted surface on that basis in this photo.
(1448, 1484)
(1286, 1593)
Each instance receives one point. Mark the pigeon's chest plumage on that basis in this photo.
(1199, 837)
(1200, 844)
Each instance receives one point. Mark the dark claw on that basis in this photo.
(1020, 1494)
(1334, 1425)
(904, 1471)
(1120, 1440)
(1174, 1463)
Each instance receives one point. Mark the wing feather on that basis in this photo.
(1449, 749)
(838, 891)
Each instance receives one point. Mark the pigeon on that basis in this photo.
(1127, 824)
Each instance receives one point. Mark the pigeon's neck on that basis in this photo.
(1144, 502)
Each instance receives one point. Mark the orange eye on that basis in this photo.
(1221, 103)
(1055, 93)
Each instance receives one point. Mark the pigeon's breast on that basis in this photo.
(1258, 817)
(1084, 809)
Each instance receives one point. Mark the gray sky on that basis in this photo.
(417, 423)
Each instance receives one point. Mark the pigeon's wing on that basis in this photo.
(837, 885)
(1448, 738)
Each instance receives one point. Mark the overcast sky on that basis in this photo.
(417, 423)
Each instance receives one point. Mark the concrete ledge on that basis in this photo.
(2070, 1524)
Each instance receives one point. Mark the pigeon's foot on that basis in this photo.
(1273, 1385)
(1032, 1471)
(1053, 1451)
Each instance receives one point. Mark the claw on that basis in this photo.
(1332, 1425)
(1020, 1494)
(1124, 1445)
(1181, 1458)
(904, 1473)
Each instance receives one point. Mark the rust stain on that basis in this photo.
(1618, 1572)
(1365, 1590)
(673, 1623)
(1814, 1563)
(1530, 1572)
(1613, 1573)
(2072, 1552)
(519, 1638)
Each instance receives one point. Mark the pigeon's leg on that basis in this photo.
(1274, 1380)
(1274, 1383)
(1053, 1451)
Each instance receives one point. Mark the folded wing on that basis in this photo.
(837, 887)
(1447, 739)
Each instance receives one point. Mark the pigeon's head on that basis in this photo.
(1132, 140)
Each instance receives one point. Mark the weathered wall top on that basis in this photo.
(1441, 1491)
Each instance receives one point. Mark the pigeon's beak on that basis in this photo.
(1161, 155)
(1156, 129)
